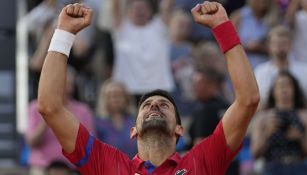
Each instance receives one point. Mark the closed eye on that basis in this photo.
(146, 104)
(164, 105)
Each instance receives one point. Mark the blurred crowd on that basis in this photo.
(134, 46)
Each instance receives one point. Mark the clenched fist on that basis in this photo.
(209, 14)
(74, 17)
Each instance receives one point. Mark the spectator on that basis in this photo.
(141, 39)
(115, 117)
(44, 146)
(279, 47)
(253, 24)
(279, 132)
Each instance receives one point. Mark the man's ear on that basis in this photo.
(133, 133)
(179, 130)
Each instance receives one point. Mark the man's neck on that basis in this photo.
(156, 148)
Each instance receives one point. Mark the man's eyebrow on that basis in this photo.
(146, 101)
(160, 100)
(165, 101)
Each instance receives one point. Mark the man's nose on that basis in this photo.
(154, 106)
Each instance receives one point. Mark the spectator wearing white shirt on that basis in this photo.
(142, 46)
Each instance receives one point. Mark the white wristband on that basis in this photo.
(61, 42)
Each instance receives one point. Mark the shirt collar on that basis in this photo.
(138, 162)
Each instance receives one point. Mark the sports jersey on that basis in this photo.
(210, 157)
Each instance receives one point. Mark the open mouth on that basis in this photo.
(154, 115)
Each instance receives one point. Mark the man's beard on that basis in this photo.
(155, 126)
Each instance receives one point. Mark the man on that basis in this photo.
(158, 124)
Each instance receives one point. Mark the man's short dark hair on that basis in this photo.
(164, 94)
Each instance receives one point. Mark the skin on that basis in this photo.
(74, 18)
(155, 145)
(36, 137)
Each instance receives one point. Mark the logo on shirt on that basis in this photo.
(181, 172)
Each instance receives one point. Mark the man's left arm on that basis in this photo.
(239, 114)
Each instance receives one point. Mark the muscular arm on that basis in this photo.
(51, 102)
(65, 126)
(238, 116)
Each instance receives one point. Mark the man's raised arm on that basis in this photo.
(238, 116)
(72, 19)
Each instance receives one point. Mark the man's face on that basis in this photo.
(156, 114)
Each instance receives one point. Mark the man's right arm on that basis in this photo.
(72, 19)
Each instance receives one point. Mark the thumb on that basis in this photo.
(198, 14)
(88, 15)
